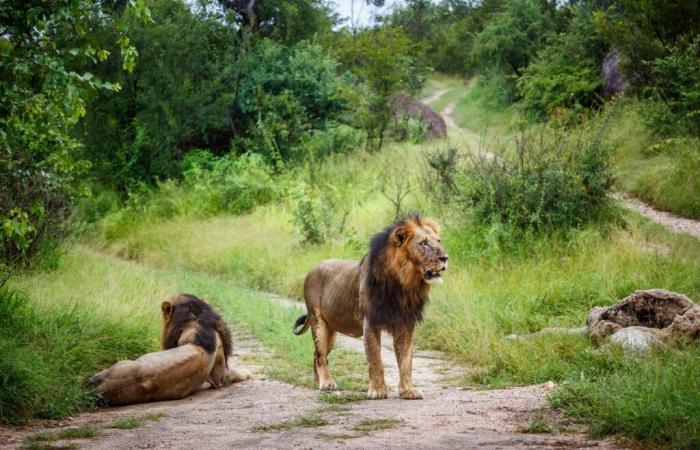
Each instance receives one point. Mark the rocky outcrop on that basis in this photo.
(646, 319)
(614, 81)
(403, 105)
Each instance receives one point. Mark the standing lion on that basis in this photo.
(386, 291)
(196, 344)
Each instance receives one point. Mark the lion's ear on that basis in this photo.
(401, 234)
(430, 223)
(167, 308)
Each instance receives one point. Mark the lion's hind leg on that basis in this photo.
(324, 338)
(222, 374)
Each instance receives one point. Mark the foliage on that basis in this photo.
(510, 40)
(202, 85)
(211, 185)
(319, 213)
(566, 72)
(676, 86)
(41, 99)
(644, 30)
(551, 179)
(285, 21)
(284, 95)
(386, 60)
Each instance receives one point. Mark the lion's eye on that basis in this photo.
(424, 243)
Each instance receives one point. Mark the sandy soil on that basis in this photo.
(436, 95)
(448, 416)
(669, 220)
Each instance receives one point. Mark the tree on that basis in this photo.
(41, 99)
(511, 38)
(566, 72)
(387, 62)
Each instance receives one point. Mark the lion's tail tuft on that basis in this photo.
(302, 320)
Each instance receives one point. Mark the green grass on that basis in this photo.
(341, 397)
(39, 440)
(130, 423)
(537, 424)
(299, 422)
(53, 342)
(662, 172)
(369, 425)
(655, 400)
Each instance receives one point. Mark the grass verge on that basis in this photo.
(95, 310)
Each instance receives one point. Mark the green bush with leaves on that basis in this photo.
(319, 212)
(41, 100)
(565, 73)
(552, 178)
(675, 91)
(386, 62)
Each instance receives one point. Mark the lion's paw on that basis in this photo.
(328, 385)
(377, 394)
(411, 394)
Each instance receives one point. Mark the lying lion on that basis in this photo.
(387, 290)
(196, 345)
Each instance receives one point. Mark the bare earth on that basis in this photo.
(448, 417)
(669, 220)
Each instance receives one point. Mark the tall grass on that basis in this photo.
(662, 172)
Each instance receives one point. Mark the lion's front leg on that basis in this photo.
(403, 347)
(373, 350)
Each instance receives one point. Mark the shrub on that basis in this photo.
(675, 86)
(406, 128)
(232, 184)
(566, 72)
(552, 178)
(319, 213)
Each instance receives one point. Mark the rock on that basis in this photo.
(403, 105)
(644, 319)
(635, 339)
(614, 81)
(688, 324)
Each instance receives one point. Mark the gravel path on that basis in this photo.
(669, 220)
(253, 414)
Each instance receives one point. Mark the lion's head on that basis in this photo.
(404, 260)
(411, 248)
(185, 313)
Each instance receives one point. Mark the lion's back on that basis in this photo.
(333, 288)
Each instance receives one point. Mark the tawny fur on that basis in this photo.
(196, 344)
(385, 291)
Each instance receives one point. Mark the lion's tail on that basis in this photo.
(302, 320)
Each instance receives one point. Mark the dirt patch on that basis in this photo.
(669, 220)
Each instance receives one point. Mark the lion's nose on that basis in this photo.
(443, 258)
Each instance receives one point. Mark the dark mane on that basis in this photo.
(192, 309)
(390, 303)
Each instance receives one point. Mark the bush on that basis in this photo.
(231, 184)
(566, 72)
(406, 128)
(319, 213)
(675, 86)
(552, 179)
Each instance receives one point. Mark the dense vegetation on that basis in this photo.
(208, 143)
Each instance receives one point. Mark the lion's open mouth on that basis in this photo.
(432, 276)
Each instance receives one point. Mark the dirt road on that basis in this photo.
(263, 413)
